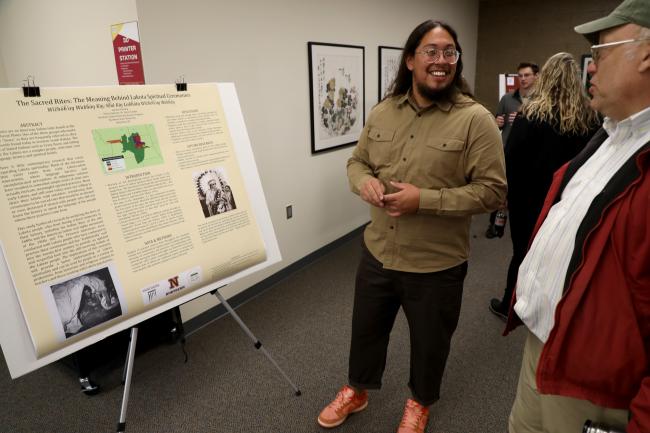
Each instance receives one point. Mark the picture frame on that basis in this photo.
(389, 58)
(586, 61)
(336, 94)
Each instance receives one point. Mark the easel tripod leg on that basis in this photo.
(128, 371)
(256, 342)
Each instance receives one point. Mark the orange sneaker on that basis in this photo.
(415, 418)
(347, 401)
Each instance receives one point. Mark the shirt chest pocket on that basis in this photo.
(380, 147)
(443, 161)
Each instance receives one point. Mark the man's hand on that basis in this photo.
(500, 120)
(405, 201)
(373, 192)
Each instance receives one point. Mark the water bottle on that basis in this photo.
(591, 427)
(500, 222)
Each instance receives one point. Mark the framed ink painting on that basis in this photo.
(336, 94)
(389, 58)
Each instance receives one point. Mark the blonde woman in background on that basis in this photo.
(554, 125)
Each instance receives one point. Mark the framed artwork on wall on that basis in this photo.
(389, 58)
(586, 61)
(336, 94)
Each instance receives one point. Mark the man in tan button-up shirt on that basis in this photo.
(428, 158)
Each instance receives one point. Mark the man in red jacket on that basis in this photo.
(583, 290)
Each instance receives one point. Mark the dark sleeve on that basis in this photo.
(501, 108)
(517, 154)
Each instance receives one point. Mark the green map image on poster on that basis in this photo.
(128, 147)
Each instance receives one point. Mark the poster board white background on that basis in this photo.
(14, 335)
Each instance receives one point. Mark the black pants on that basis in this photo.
(522, 224)
(431, 303)
(83, 360)
(493, 217)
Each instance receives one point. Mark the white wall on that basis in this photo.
(261, 46)
(3, 74)
(60, 42)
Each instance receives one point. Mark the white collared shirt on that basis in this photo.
(543, 271)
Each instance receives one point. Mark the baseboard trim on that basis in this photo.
(215, 313)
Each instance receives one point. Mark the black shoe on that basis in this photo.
(88, 387)
(490, 232)
(495, 308)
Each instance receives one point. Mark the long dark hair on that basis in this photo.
(404, 78)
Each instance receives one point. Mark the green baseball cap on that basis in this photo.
(630, 11)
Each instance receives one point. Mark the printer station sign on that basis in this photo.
(128, 56)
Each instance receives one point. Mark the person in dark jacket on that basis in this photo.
(554, 126)
(509, 106)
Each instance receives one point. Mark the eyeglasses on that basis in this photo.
(433, 54)
(595, 49)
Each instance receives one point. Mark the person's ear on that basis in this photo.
(644, 64)
(409, 62)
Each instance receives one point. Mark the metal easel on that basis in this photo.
(128, 366)
(257, 343)
(126, 377)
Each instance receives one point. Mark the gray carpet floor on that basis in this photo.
(304, 322)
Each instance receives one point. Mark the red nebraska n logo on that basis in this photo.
(173, 282)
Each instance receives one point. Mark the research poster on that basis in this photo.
(116, 200)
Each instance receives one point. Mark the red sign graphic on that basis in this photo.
(128, 57)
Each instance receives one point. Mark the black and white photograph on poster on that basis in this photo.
(214, 192)
(85, 301)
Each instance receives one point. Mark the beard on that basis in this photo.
(436, 95)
